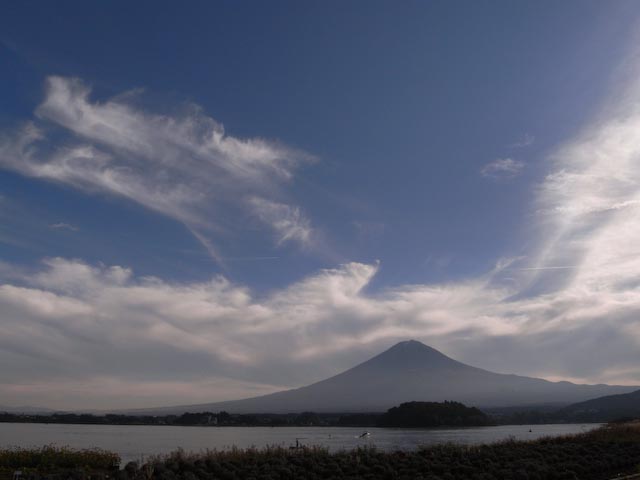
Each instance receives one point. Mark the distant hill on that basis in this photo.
(409, 371)
(27, 409)
(605, 409)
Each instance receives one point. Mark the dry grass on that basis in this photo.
(34, 463)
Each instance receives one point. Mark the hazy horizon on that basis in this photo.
(436, 386)
(214, 201)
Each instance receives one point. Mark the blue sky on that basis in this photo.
(328, 176)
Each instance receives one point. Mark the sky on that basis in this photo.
(215, 200)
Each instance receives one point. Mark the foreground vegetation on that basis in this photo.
(600, 454)
(60, 462)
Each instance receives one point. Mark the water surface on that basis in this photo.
(136, 442)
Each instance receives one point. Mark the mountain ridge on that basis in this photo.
(607, 408)
(408, 371)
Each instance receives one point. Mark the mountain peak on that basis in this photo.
(413, 346)
(411, 353)
(410, 344)
(410, 371)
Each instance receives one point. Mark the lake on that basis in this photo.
(139, 441)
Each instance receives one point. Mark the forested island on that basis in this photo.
(433, 414)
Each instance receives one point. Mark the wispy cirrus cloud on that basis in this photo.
(502, 168)
(526, 140)
(288, 222)
(64, 226)
(588, 207)
(182, 165)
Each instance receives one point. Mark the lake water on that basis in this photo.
(136, 442)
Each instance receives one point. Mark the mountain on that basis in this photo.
(604, 409)
(409, 371)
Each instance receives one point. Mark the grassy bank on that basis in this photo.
(599, 454)
(58, 462)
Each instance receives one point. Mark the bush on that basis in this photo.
(54, 458)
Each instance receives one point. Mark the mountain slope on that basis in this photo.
(606, 408)
(410, 371)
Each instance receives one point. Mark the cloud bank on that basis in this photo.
(70, 325)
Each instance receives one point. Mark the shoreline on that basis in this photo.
(439, 427)
(602, 453)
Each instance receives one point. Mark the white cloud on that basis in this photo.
(182, 165)
(503, 168)
(524, 141)
(64, 226)
(589, 205)
(288, 222)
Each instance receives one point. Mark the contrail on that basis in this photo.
(567, 267)
(247, 259)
